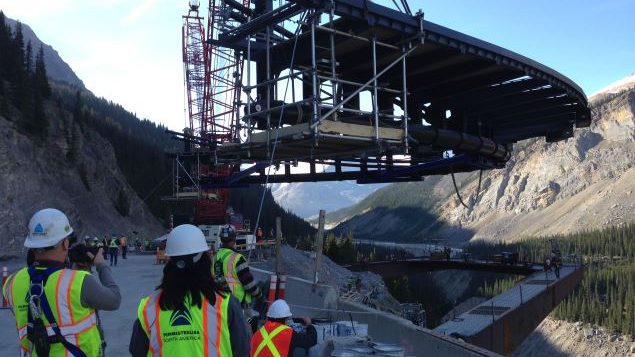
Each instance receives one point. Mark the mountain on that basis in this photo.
(585, 182)
(306, 199)
(57, 69)
(618, 86)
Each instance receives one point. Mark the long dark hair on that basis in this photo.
(182, 277)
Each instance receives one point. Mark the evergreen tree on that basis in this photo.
(39, 77)
(5, 44)
(28, 59)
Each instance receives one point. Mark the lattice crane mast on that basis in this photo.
(212, 80)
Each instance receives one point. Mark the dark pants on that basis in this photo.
(113, 255)
(124, 251)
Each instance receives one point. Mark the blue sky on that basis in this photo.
(130, 51)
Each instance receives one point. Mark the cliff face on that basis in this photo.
(585, 182)
(74, 170)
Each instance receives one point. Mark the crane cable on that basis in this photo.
(478, 190)
(275, 142)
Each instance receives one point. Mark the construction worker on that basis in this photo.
(113, 249)
(188, 315)
(275, 338)
(123, 243)
(55, 307)
(105, 245)
(232, 271)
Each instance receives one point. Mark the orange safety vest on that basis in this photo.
(272, 340)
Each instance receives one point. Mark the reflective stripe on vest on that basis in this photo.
(229, 259)
(169, 335)
(78, 324)
(113, 243)
(86, 323)
(281, 346)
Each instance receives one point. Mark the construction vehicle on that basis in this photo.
(245, 239)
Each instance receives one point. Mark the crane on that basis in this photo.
(212, 81)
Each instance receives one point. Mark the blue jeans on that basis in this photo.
(113, 252)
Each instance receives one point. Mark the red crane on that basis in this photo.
(213, 81)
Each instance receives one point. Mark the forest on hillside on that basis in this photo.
(24, 86)
(139, 144)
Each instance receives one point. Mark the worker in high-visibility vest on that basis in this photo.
(188, 315)
(276, 339)
(55, 307)
(113, 249)
(232, 271)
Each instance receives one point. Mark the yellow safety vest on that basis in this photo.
(225, 262)
(78, 324)
(194, 331)
(113, 243)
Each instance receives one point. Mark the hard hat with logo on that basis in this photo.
(184, 240)
(47, 227)
(227, 233)
(279, 309)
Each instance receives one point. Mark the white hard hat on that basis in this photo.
(47, 227)
(279, 309)
(185, 239)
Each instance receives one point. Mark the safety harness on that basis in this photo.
(38, 305)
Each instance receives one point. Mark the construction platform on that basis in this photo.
(432, 94)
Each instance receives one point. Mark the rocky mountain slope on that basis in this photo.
(36, 175)
(56, 68)
(585, 182)
(560, 338)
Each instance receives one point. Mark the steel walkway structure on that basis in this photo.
(502, 323)
(380, 95)
(398, 268)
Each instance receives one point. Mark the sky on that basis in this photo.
(130, 51)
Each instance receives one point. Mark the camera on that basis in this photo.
(78, 252)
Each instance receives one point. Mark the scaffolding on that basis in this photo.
(376, 94)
